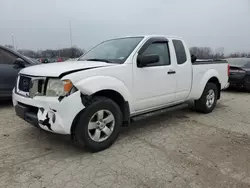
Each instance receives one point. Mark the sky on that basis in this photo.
(45, 24)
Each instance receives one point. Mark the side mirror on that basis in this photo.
(19, 63)
(193, 58)
(143, 60)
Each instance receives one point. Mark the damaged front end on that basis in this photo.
(52, 108)
(46, 118)
(48, 112)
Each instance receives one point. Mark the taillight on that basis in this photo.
(237, 71)
(228, 69)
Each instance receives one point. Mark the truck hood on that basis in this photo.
(62, 68)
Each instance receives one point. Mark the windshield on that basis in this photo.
(239, 62)
(112, 51)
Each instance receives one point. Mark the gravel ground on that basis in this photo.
(177, 149)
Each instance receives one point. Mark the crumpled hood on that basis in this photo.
(62, 68)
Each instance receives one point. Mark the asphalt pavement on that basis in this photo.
(176, 149)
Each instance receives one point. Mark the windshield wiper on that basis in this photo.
(95, 59)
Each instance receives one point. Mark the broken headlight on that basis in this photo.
(57, 87)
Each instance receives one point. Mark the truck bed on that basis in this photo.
(203, 70)
(204, 61)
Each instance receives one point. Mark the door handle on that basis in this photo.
(171, 72)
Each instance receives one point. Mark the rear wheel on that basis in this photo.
(208, 100)
(99, 124)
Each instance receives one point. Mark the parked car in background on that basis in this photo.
(59, 59)
(11, 62)
(44, 60)
(239, 73)
(72, 59)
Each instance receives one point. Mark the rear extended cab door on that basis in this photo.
(155, 84)
(183, 69)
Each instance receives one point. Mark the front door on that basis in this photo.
(154, 84)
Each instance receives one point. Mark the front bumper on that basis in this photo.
(25, 112)
(49, 113)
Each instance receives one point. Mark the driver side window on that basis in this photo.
(7, 57)
(160, 49)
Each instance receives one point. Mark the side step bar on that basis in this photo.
(158, 112)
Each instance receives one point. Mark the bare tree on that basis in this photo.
(202, 52)
(239, 54)
(73, 52)
(219, 53)
(207, 52)
(28, 53)
(9, 46)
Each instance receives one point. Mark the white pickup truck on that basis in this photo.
(117, 80)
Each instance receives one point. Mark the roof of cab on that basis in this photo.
(149, 36)
(166, 36)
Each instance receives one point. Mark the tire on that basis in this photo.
(202, 104)
(87, 137)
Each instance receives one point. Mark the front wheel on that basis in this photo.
(99, 124)
(208, 99)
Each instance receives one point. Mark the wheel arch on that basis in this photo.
(119, 100)
(215, 81)
(211, 76)
(108, 93)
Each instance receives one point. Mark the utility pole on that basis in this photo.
(70, 36)
(13, 41)
(70, 33)
(59, 51)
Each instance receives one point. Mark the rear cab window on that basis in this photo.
(180, 52)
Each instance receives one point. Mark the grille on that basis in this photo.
(31, 86)
(24, 83)
(37, 88)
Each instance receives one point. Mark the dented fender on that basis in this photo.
(89, 86)
(60, 115)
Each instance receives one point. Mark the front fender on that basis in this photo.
(94, 84)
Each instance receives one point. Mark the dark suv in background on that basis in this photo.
(11, 62)
(239, 73)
